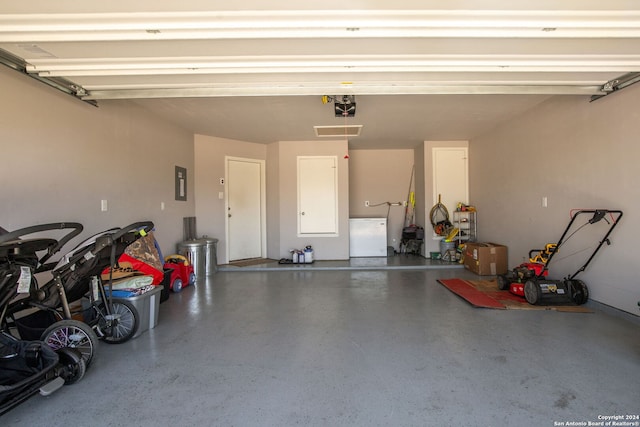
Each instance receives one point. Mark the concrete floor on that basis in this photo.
(351, 347)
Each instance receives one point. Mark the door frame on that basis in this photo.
(263, 204)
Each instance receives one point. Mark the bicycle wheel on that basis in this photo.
(72, 334)
(119, 326)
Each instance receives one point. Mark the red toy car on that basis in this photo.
(182, 274)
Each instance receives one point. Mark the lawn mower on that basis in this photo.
(530, 280)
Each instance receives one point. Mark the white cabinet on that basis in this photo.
(367, 237)
(467, 223)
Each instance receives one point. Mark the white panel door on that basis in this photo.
(450, 176)
(244, 208)
(317, 195)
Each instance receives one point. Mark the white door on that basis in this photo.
(317, 195)
(245, 208)
(450, 176)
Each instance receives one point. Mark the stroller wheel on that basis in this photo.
(119, 326)
(73, 365)
(72, 334)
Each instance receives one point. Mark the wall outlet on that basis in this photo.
(221, 181)
(366, 203)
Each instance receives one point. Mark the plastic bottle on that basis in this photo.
(308, 255)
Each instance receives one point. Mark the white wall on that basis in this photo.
(281, 176)
(380, 176)
(61, 157)
(210, 154)
(285, 154)
(579, 155)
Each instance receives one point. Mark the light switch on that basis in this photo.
(104, 206)
(221, 195)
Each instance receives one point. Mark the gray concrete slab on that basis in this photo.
(351, 348)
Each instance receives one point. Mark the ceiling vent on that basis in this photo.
(338, 131)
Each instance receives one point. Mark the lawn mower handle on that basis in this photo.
(598, 214)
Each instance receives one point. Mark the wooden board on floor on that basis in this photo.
(503, 299)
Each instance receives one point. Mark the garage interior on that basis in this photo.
(101, 103)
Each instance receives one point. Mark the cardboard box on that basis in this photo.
(485, 259)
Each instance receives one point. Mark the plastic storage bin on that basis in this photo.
(148, 305)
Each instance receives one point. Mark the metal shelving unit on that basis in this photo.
(467, 223)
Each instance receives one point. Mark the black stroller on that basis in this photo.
(77, 277)
(29, 367)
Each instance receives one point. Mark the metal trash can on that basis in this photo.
(194, 251)
(211, 255)
(446, 247)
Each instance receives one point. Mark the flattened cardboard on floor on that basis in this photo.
(485, 259)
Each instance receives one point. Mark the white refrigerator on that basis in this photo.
(367, 237)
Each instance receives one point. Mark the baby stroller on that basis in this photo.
(77, 277)
(29, 367)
